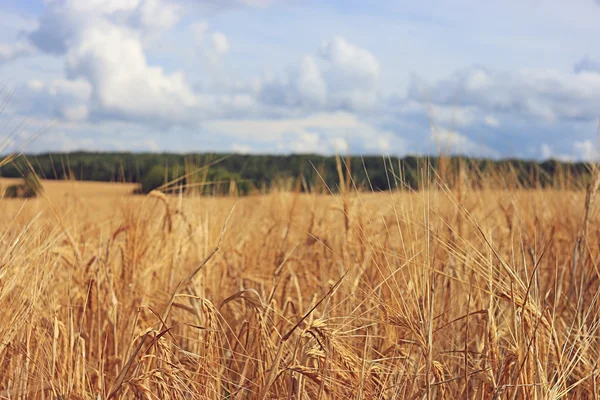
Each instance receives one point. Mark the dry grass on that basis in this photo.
(437, 294)
(57, 190)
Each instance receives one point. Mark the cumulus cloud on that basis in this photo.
(212, 46)
(157, 15)
(220, 42)
(546, 151)
(241, 148)
(64, 20)
(308, 83)
(209, 6)
(77, 88)
(103, 46)
(581, 150)
(452, 142)
(327, 101)
(548, 154)
(112, 59)
(450, 116)
(349, 63)
(77, 112)
(303, 87)
(322, 133)
(64, 140)
(379, 144)
(304, 142)
(586, 150)
(339, 145)
(100, 6)
(352, 73)
(103, 43)
(340, 76)
(548, 95)
(59, 98)
(440, 114)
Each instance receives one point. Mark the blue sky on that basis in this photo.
(495, 78)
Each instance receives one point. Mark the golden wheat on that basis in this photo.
(437, 294)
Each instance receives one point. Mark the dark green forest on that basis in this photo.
(308, 172)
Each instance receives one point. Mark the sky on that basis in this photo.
(495, 78)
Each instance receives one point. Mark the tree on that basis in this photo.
(154, 179)
(31, 187)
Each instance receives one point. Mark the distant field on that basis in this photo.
(61, 188)
(441, 294)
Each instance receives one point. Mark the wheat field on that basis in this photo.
(435, 294)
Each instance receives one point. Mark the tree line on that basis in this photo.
(214, 172)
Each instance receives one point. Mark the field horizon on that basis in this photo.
(222, 172)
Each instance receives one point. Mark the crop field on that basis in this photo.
(430, 294)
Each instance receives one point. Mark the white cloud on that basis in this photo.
(62, 98)
(257, 3)
(339, 145)
(159, 15)
(380, 144)
(198, 31)
(103, 43)
(306, 142)
(457, 116)
(582, 150)
(491, 121)
(36, 85)
(352, 73)
(158, 65)
(340, 76)
(220, 43)
(322, 133)
(546, 94)
(546, 151)
(586, 150)
(109, 75)
(63, 21)
(441, 114)
(303, 87)
(61, 141)
(308, 82)
(152, 145)
(78, 88)
(10, 52)
(448, 141)
(240, 148)
(64, 140)
(113, 61)
(100, 6)
(349, 65)
(76, 112)
(271, 130)
(478, 80)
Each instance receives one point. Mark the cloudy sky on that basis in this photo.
(499, 78)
